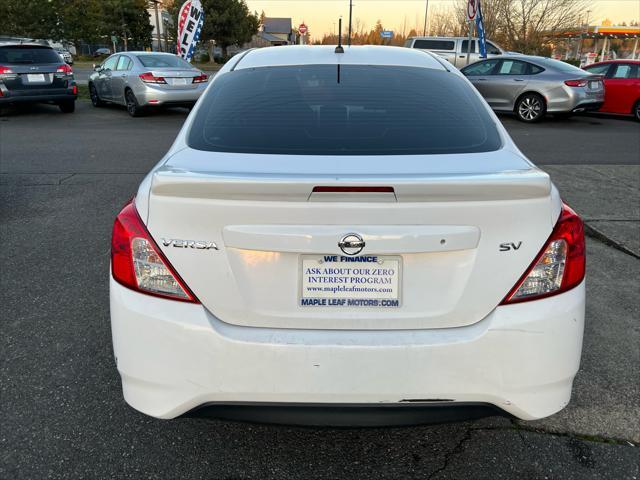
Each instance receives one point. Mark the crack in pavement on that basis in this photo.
(64, 179)
(611, 219)
(456, 449)
(575, 441)
(592, 232)
(591, 168)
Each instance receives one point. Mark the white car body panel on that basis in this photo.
(250, 341)
(174, 357)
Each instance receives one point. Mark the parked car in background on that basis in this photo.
(141, 80)
(454, 49)
(102, 52)
(306, 252)
(32, 72)
(622, 86)
(532, 86)
(66, 56)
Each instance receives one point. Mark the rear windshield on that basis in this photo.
(559, 65)
(434, 44)
(163, 61)
(27, 55)
(342, 110)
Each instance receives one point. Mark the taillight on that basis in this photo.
(5, 70)
(559, 266)
(148, 77)
(138, 263)
(66, 69)
(576, 83)
(200, 78)
(75, 89)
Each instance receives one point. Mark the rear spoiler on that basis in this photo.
(512, 185)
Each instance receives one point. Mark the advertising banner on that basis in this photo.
(190, 22)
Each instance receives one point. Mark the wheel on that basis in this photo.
(134, 109)
(95, 99)
(530, 108)
(67, 107)
(636, 110)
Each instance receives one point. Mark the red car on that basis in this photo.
(621, 86)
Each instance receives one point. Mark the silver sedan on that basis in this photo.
(141, 80)
(532, 86)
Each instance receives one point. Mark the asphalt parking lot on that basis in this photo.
(62, 180)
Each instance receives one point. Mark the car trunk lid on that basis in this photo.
(176, 78)
(440, 232)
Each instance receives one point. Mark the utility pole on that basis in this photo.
(350, 12)
(469, 41)
(155, 7)
(426, 11)
(166, 36)
(125, 33)
(579, 53)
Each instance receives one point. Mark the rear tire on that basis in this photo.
(95, 98)
(636, 111)
(67, 107)
(530, 108)
(133, 107)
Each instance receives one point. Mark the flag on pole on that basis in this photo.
(480, 27)
(191, 18)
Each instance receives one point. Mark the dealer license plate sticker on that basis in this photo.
(348, 282)
(179, 81)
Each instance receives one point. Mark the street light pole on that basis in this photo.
(350, 12)
(426, 11)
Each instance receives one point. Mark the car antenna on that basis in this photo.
(339, 48)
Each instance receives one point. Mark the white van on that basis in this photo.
(454, 49)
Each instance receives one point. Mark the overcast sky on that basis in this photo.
(320, 15)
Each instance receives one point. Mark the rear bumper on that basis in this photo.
(150, 96)
(573, 99)
(338, 415)
(588, 107)
(10, 97)
(174, 357)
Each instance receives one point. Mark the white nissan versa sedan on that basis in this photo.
(346, 238)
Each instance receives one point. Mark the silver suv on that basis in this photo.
(454, 49)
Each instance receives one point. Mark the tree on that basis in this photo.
(228, 22)
(127, 19)
(78, 20)
(526, 25)
(27, 18)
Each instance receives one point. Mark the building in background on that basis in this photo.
(272, 32)
(277, 31)
(602, 42)
(163, 35)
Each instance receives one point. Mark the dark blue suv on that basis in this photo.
(32, 72)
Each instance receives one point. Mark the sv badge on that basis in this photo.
(506, 247)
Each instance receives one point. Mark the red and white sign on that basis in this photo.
(302, 29)
(472, 9)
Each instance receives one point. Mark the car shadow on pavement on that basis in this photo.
(49, 109)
